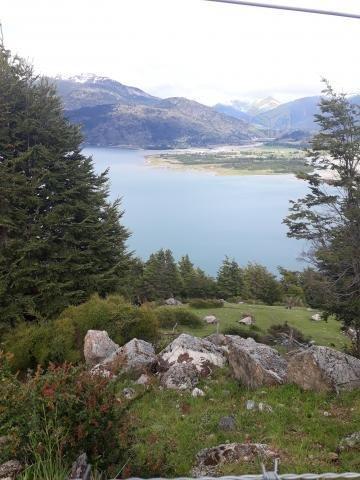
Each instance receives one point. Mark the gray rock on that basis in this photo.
(247, 321)
(350, 441)
(180, 376)
(324, 369)
(316, 317)
(98, 346)
(250, 405)
(10, 469)
(209, 460)
(255, 364)
(210, 319)
(199, 352)
(144, 379)
(197, 392)
(129, 393)
(264, 407)
(172, 302)
(227, 423)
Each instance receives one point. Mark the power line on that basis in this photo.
(291, 9)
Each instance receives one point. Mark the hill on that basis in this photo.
(115, 114)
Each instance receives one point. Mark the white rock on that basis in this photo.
(197, 392)
(98, 346)
(316, 317)
(210, 319)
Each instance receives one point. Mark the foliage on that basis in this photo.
(194, 282)
(161, 277)
(329, 215)
(60, 238)
(168, 317)
(62, 339)
(242, 332)
(64, 408)
(206, 303)
(275, 330)
(261, 284)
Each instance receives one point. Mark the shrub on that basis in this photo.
(206, 303)
(234, 299)
(65, 404)
(62, 339)
(170, 316)
(274, 332)
(242, 332)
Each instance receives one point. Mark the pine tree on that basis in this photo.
(194, 282)
(262, 285)
(329, 215)
(60, 238)
(161, 277)
(230, 279)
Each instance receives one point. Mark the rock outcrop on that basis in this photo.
(98, 346)
(199, 352)
(323, 369)
(209, 460)
(10, 469)
(255, 364)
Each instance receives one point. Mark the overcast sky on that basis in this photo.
(204, 51)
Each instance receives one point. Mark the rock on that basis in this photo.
(227, 423)
(209, 460)
(246, 321)
(333, 457)
(218, 339)
(180, 376)
(250, 405)
(143, 379)
(195, 351)
(98, 346)
(197, 392)
(264, 407)
(135, 357)
(172, 302)
(80, 468)
(210, 319)
(323, 369)
(255, 364)
(316, 317)
(351, 441)
(129, 393)
(10, 469)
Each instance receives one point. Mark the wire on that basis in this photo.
(286, 7)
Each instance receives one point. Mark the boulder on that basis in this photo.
(227, 423)
(246, 321)
(210, 319)
(197, 392)
(135, 357)
(10, 469)
(255, 364)
(98, 346)
(351, 441)
(144, 379)
(199, 352)
(172, 302)
(180, 376)
(209, 460)
(322, 369)
(316, 317)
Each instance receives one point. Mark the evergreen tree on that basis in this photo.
(60, 238)
(230, 279)
(194, 282)
(262, 285)
(329, 215)
(161, 277)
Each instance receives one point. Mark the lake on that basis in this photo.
(204, 215)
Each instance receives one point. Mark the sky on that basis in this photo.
(201, 50)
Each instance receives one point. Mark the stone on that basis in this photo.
(135, 358)
(210, 319)
(197, 392)
(129, 393)
(255, 364)
(98, 346)
(316, 317)
(322, 369)
(180, 376)
(209, 460)
(264, 407)
(80, 468)
(199, 352)
(172, 302)
(246, 321)
(10, 469)
(250, 405)
(350, 441)
(227, 423)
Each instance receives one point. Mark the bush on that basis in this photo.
(274, 332)
(62, 339)
(170, 316)
(242, 332)
(234, 299)
(65, 409)
(206, 303)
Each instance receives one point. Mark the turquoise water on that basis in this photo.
(201, 214)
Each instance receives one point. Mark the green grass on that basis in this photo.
(169, 428)
(324, 333)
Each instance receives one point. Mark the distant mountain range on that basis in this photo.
(113, 114)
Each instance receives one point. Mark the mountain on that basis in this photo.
(115, 114)
(247, 110)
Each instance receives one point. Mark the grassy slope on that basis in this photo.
(169, 428)
(324, 333)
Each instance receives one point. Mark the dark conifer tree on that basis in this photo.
(60, 237)
(230, 279)
(161, 277)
